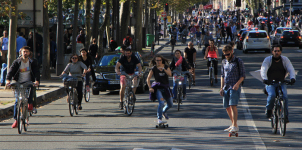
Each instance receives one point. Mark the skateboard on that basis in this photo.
(161, 125)
(233, 134)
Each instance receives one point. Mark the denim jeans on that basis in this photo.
(272, 94)
(30, 101)
(184, 85)
(87, 78)
(160, 93)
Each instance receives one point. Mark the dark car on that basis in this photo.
(290, 38)
(107, 79)
(277, 34)
(241, 38)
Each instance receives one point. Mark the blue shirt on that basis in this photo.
(20, 43)
(230, 72)
(198, 34)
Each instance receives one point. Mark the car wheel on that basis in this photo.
(95, 92)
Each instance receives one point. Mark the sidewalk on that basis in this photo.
(53, 88)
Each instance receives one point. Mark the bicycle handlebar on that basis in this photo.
(287, 82)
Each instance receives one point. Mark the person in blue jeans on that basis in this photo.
(160, 88)
(275, 67)
(179, 63)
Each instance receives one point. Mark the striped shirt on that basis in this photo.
(230, 72)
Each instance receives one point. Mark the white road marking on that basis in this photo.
(250, 123)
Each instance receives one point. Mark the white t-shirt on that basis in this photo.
(24, 71)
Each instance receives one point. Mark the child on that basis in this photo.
(173, 42)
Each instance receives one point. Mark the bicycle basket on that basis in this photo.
(21, 90)
(71, 82)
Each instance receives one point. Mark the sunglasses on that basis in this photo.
(74, 57)
(227, 54)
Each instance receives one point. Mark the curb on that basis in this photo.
(40, 99)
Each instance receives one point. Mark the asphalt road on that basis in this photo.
(198, 125)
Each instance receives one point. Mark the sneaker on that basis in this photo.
(30, 107)
(121, 105)
(159, 121)
(268, 113)
(80, 107)
(228, 129)
(14, 125)
(216, 81)
(166, 116)
(35, 111)
(234, 129)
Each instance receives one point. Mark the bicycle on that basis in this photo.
(86, 92)
(129, 101)
(70, 83)
(279, 110)
(179, 81)
(22, 91)
(211, 70)
(218, 42)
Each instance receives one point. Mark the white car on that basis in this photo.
(256, 40)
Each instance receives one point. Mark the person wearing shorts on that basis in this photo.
(231, 79)
(190, 55)
(129, 63)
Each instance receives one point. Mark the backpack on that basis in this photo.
(127, 41)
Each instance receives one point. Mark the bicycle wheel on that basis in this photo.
(70, 103)
(86, 95)
(282, 118)
(19, 117)
(274, 122)
(75, 104)
(211, 76)
(179, 95)
(130, 103)
(26, 117)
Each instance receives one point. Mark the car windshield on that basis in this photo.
(291, 33)
(281, 30)
(109, 60)
(258, 35)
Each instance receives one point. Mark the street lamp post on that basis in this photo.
(290, 13)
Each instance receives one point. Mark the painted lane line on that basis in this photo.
(250, 123)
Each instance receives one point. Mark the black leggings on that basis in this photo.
(215, 66)
(80, 92)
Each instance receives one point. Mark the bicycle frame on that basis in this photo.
(129, 95)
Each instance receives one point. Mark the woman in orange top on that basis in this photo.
(212, 52)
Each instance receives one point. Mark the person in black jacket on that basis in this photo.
(24, 69)
(87, 60)
(179, 64)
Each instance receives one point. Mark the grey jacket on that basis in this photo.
(286, 63)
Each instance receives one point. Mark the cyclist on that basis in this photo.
(190, 56)
(206, 39)
(87, 60)
(75, 68)
(160, 88)
(24, 69)
(212, 52)
(198, 36)
(180, 64)
(129, 63)
(276, 67)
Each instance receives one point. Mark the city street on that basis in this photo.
(199, 123)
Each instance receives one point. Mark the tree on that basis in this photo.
(88, 32)
(46, 42)
(75, 26)
(12, 32)
(96, 17)
(137, 12)
(105, 24)
(124, 18)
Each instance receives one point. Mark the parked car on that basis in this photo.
(107, 79)
(291, 38)
(277, 34)
(241, 38)
(256, 40)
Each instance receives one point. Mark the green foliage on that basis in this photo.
(53, 6)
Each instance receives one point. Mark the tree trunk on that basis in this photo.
(137, 11)
(146, 16)
(103, 27)
(75, 26)
(46, 45)
(88, 32)
(12, 33)
(96, 18)
(60, 45)
(124, 19)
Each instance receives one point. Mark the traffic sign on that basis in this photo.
(164, 14)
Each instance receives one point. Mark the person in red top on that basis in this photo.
(249, 23)
(212, 52)
(127, 41)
